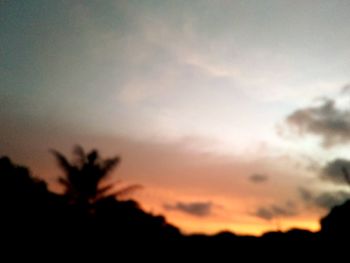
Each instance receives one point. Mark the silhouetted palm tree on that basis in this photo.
(83, 176)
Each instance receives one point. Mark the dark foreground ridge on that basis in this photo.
(31, 215)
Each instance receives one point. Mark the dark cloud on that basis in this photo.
(329, 200)
(333, 171)
(326, 121)
(258, 178)
(325, 200)
(274, 211)
(193, 208)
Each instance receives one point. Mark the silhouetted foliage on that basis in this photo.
(29, 209)
(18, 183)
(336, 225)
(84, 175)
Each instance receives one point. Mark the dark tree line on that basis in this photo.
(90, 212)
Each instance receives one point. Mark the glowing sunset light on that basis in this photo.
(232, 115)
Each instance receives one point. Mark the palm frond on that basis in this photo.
(92, 157)
(104, 189)
(127, 190)
(62, 161)
(64, 182)
(109, 164)
(80, 154)
(85, 173)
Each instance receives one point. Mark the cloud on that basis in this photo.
(326, 121)
(258, 178)
(331, 199)
(200, 209)
(325, 200)
(273, 211)
(305, 194)
(345, 89)
(333, 171)
(215, 70)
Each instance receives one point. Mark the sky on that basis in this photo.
(233, 115)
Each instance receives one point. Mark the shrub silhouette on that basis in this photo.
(17, 183)
(30, 211)
(28, 208)
(88, 213)
(336, 224)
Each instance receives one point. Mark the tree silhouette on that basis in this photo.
(84, 175)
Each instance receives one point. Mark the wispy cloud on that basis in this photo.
(200, 209)
(215, 70)
(277, 211)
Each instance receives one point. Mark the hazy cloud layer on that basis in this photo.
(193, 208)
(325, 200)
(274, 211)
(258, 178)
(330, 123)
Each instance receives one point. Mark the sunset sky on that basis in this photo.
(233, 115)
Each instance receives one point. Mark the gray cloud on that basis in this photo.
(258, 178)
(193, 208)
(306, 195)
(273, 211)
(333, 171)
(325, 200)
(329, 200)
(345, 89)
(326, 121)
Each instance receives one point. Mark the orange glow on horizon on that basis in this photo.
(192, 226)
(231, 215)
(234, 199)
